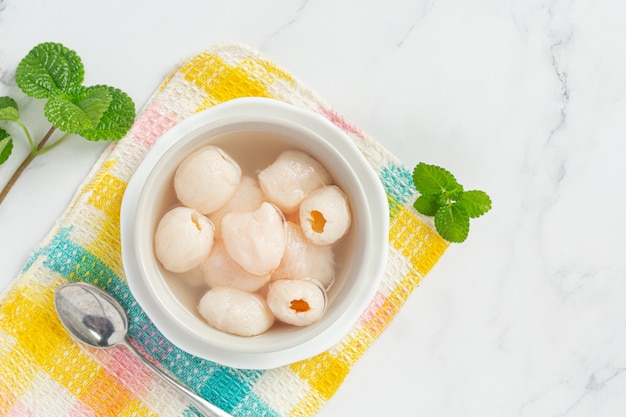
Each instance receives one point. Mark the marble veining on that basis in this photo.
(292, 20)
(425, 8)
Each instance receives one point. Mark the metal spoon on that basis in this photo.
(94, 317)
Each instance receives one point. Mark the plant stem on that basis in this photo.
(41, 149)
(27, 133)
(45, 138)
(33, 153)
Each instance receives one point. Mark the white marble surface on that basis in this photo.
(524, 99)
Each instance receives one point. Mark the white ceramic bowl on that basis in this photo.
(246, 128)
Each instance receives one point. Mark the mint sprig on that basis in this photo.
(55, 73)
(444, 198)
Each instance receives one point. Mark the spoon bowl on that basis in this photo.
(91, 315)
(94, 317)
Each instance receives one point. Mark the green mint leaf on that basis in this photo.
(431, 179)
(81, 109)
(456, 194)
(475, 202)
(116, 120)
(49, 69)
(93, 101)
(427, 204)
(452, 222)
(448, 197)
(6, 145)
(8, 109)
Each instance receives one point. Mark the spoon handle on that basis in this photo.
(202, 405)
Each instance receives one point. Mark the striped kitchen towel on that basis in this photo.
(43, 372)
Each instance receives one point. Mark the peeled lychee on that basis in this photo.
(303, 259)
(291, 177)
(206, 179)
(221, 271)
(248, 196)
(183, 238)
(297, 302)
(235, 311)
(255, 239)
(325, 215)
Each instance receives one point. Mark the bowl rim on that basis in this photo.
(269, 111)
